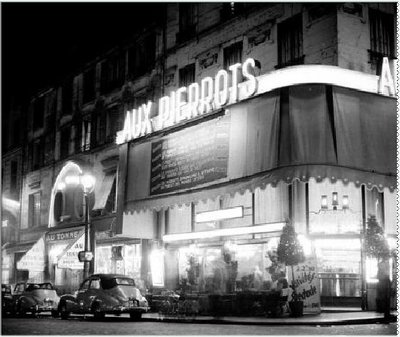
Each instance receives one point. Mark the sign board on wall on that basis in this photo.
(34, 259)
(69, 258)
(306, 283)
(63, 235)
(190, 157)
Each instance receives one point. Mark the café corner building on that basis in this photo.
(212, 179)
(214, 176)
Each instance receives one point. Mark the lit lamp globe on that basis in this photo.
(88, 182)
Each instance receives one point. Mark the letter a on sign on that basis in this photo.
(386, 79)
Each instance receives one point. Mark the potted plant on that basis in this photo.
(291, 253)
(377, 247)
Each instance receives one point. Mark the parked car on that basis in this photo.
(7, 306)
(103, 294)
(35, 298)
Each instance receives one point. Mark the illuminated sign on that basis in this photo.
(192, 101)
(197, 99)
(221, 214)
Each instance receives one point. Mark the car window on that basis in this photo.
(85, 285)
(32, 287)
(95, 284)
(113, 282)
(19, 288)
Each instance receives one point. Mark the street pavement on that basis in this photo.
(46, 325)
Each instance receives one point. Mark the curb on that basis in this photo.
(374, 320)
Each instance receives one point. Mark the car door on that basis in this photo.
(18, 290)
(81, 295)
(92, 293)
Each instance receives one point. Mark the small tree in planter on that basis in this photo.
(376, 246)
(291, 253)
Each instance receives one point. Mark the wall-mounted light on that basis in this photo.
(335, 203)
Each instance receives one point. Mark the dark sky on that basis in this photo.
(42, 41)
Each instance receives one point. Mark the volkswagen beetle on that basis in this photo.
(35, 298)
(103, 294)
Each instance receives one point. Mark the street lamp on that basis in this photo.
(87, 182)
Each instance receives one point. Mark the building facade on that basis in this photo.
(206, 133)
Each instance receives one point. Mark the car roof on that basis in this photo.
(110, 276)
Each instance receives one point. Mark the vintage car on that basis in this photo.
(35, 298)
(7, 303)
(103, 294)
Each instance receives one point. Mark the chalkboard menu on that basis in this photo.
(194, 156)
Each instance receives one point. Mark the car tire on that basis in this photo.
(54, 313)
(63, 311)
(135, 316)
(97, 314)
(19, 310)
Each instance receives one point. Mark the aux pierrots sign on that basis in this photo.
(226, 88)
(191, 101)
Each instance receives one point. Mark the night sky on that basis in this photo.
(41, 42)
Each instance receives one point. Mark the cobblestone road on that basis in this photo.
(123, 326)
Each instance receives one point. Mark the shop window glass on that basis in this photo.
(103, 259)
(290, 42)
(390, 206)
(179, 219)
(382, 36)
(238, 199)
(375, 206)
(271, 203)
(34, 209)
(339, 267)
(329, 220)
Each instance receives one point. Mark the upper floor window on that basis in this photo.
(290, 41)
(67, 93)
(142, 55)
(232, 9)
(13, 178)
(381, 36)
(112, 73)
(98, 128)
(233, 54)
(115, 122)
(65, 139)
(89, 85)
(187, 75)
(37, 154)
(187, 21)
(38, 113)
(34, 209)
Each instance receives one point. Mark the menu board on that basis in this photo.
(190, 157)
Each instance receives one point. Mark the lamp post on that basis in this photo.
(87, 182)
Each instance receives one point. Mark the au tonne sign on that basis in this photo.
(191, 101)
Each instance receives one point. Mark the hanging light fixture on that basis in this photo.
(335, 203)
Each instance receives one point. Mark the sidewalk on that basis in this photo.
(325, 318)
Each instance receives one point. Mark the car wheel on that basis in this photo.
(19, 310)
(54, 313)
(98, 315)
(63, 311)
(34, 313)
(135, 316)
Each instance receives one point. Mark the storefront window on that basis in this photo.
(339, 266)
(229, 267)
(330, 218)
(374, 205)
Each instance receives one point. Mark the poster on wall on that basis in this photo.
(190, 157)
(306, 283)
(34, 259)
(69, 258)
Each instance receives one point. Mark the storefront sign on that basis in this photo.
(69, 258)
(189, 102)
(306, 285)
(190, 157)
(64, 235)
(33, 260)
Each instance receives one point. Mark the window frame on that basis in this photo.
(290, 33)
(34, 211)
